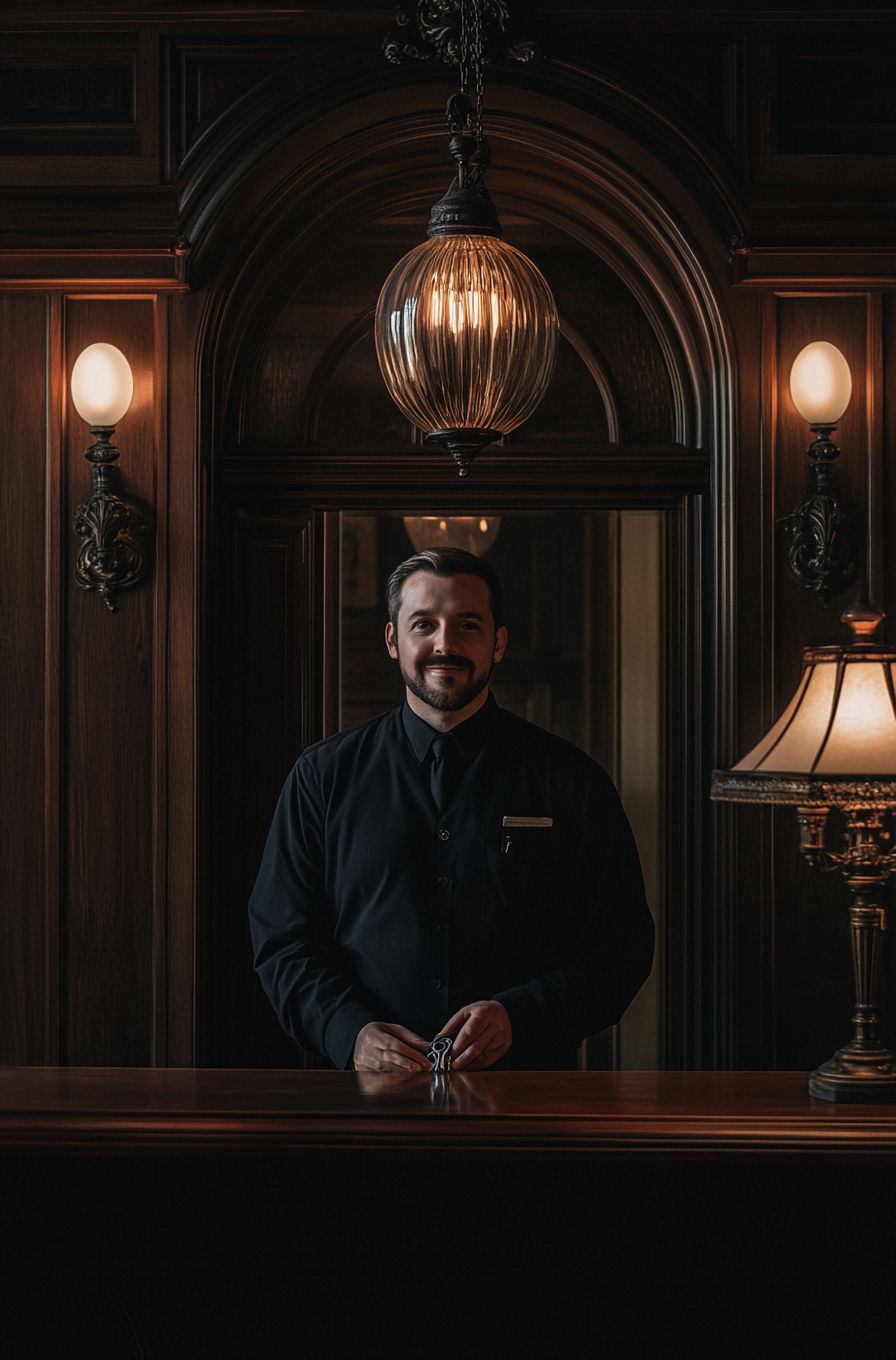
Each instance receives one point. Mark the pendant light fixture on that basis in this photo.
(466, 327)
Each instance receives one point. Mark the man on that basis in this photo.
(448, 868)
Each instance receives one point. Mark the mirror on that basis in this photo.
(586, 659)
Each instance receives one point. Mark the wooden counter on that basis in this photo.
(228, 1214)
(635, 1115)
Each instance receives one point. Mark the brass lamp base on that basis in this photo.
(857, 1076)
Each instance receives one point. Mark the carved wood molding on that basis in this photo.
(151, 269)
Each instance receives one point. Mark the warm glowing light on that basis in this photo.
(466, 335)
(102, 385)
(820, 383)
(473, 533)
(841, 721)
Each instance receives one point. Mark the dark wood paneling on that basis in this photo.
(28, 465)
(856, 71)
(180, 844)
(109, 734)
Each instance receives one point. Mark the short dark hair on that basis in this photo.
(445, 562)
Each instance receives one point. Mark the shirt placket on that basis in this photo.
(443, 878)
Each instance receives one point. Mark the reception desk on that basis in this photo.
(534, 1202)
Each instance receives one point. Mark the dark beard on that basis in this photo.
(445, 700)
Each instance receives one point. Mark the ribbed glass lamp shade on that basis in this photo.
(466, 335)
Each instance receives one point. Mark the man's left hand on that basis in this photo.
(483, 1035)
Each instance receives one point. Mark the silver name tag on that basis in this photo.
(528, 821)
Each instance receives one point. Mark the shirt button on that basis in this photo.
(443, 834)
(443, 882)
(435, 983)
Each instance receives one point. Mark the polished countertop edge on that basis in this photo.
(613, 1116)
(418, 1139)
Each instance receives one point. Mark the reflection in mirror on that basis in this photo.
(585, 607)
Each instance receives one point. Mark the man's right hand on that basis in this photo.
(390, 1048)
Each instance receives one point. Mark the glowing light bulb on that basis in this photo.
(820, 383)
(102, 385)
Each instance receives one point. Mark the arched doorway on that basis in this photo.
(298, 434)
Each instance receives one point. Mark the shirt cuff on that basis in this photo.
(343, 1030)
(526, 1019)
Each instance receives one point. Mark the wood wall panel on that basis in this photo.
(109, 733)
(27, 465)
(180, 591)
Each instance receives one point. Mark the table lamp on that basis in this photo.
(834, 746)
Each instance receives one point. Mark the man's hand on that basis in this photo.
(390, 1048)
(483, 1035)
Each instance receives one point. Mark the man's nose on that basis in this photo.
(446, 639)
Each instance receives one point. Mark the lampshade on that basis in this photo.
(466, 335)
(820, 383)
(474, 533)
(839, 729)
(102, 385)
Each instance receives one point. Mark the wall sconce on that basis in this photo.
(111, 556)
(834, 746)
(822, 555)
(473, 533)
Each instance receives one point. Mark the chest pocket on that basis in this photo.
(521, 871)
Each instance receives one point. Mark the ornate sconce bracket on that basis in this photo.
(822, 554)
(111, 556)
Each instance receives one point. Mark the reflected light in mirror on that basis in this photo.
(473, 533)
(820, 383)
(102, 385)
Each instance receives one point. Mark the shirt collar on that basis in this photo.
(470, 735)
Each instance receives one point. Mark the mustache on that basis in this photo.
(449, 660)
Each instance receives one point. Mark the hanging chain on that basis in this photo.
(477, 66)
(463, 59)
(471, 55)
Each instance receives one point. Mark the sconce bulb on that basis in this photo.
(820, 383)
(102, 385)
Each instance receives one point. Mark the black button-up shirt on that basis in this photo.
(372, 905)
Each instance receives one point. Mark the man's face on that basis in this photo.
(445, 640)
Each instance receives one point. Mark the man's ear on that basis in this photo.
(500, 643)
(390, 641)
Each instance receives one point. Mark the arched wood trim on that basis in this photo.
(356, 329)
(601, 377)
(329, 361)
